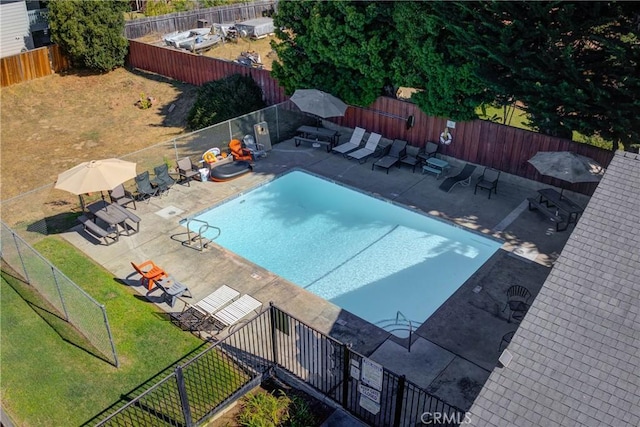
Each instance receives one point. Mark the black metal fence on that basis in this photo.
(272, 341)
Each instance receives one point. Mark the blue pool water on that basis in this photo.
(365, 255)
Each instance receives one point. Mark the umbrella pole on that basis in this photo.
(81, 202)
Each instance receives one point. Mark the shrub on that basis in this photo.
(90, 32)
(264, 410)
(225, 99)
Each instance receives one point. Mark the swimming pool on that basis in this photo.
(366, 255)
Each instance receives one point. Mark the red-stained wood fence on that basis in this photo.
(481, 142)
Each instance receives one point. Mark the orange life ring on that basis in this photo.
(209, 157)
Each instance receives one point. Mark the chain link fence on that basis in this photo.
(72, 303)
(33, 215)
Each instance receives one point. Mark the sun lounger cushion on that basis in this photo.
(235, 311)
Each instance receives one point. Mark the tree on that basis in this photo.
(574, 67)
(90, 32)
(428, 59)
(225, 99)
(344, 48)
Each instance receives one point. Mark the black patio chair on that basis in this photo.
(488, 181)
(144, 187)
(163, 180)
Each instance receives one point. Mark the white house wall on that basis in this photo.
(14, 28)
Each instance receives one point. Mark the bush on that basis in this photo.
(90, 32)
(225, 99)
(264, 410)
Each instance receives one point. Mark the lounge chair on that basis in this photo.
(187, 171)
(162, 179)
(239, 152)
(411, 156)
(234, 312)
(462, 178)
(517, 301)
(488, 181)
(194, 315)
(352, 144)
(363, 154)
(149, 272)
(122, 197)
(396, 151)
(145, 189)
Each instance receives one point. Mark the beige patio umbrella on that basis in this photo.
(94, 176)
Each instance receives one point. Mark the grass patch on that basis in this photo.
(50, 376)
(515, 117)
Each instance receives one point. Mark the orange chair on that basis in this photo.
(149, 272)
(238, 152)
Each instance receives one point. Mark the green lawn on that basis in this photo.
(517, 118)
(49, 377)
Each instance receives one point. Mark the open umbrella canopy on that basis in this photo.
(96, 175)
(319, 103)
(567, 166)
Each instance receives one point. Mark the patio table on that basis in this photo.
(552, 198)
(109, 214)
(317, 132)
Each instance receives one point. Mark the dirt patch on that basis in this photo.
(53, 123)
(229, 50)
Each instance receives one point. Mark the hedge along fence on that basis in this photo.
(481, 142)
(32, 65)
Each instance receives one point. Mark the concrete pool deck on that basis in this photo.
(452, 353)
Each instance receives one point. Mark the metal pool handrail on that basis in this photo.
(203, 227)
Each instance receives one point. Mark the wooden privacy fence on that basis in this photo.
(182, 21)
(33, 64)
(197, 69)
(481, 142)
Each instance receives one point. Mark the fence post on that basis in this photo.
(64, 306)
(24, 268)
(277, 123)
(345, 374)
(399, 398)
(184, 398)
(113, 345)
(274, 335)
(175, 149)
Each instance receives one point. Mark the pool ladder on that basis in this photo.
(400, 323)
(195, 240)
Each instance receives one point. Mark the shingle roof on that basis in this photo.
(576, 355)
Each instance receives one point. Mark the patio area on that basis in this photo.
(452, 353)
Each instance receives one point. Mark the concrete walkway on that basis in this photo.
(452, 353)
